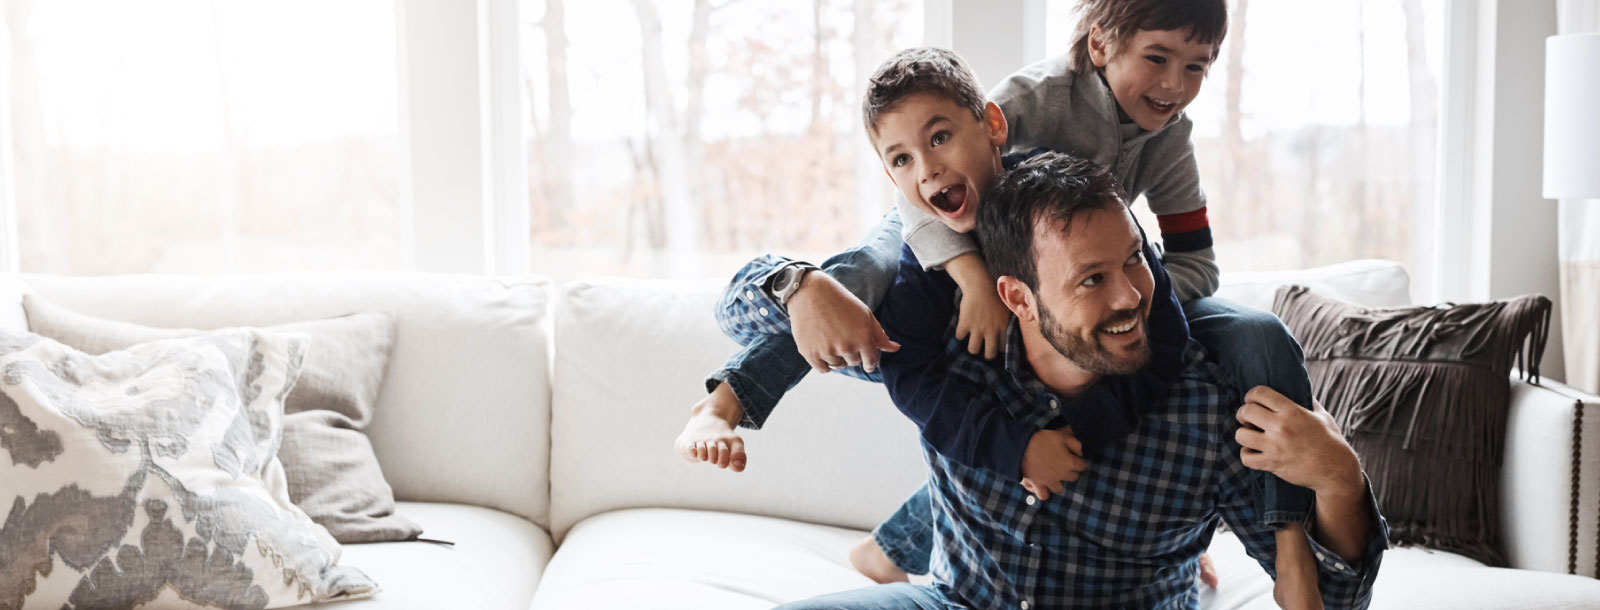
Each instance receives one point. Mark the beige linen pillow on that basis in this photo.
(333, 474)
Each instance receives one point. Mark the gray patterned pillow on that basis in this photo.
(333, 474)
(150, 476)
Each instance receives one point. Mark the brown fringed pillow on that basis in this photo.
(1422, 393)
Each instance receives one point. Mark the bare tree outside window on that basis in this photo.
(204, 135)
(1315, 131)
(678, 138)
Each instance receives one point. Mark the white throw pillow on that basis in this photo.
(150, 476)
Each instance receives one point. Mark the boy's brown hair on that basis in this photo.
(1207, 21)
(921, 70)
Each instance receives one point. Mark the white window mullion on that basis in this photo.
(997, 37)
(505, 153)
(441, 126)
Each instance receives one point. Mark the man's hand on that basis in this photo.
(832, 328)
(709, 436)
(984, 317)
(1303, 447)
(1052, 457)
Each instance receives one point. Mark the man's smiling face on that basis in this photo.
(1094, 290)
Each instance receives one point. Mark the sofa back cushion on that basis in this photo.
(632, 357)
(463, 413)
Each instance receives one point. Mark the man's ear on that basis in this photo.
(1017, 297)
(995, 119)
(1099, 52)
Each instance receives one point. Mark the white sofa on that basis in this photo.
(533, 428)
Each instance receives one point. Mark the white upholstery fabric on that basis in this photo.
(662, 559)
(1369, 282)
(463, 413)
(1536, 488)
(1411, 579)
(494, 565)
(633, 357)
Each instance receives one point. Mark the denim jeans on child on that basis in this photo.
(770, 365)
(1253, 347)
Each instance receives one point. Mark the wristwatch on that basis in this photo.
(787, 281)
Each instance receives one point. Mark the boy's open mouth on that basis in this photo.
(951, 199)
(1160, 107)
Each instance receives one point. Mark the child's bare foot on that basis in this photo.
(710, 434)
(869, 559)
(1296, 588)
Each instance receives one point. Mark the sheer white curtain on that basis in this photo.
(1579, 228)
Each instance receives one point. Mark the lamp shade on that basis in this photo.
(1572, 117)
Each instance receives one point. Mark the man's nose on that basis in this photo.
(1125, 295)
(931, 170)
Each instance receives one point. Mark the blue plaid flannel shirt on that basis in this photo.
(1129, 532)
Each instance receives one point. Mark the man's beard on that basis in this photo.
(1093, 356)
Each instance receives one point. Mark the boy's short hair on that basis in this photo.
(921, 70)
(1051, 187)
(1207, 21)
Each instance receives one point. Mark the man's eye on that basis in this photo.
(900, 160)
(1156, 59)
(940, 138)
(1137, 258)
(1196, 68)
(1094, 280)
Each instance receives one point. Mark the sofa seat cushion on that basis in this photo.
(495, 564)
(1410, 579)
(663, 559)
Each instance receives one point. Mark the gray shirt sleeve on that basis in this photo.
(933, 242)
(1174, 175)
(1194, 274)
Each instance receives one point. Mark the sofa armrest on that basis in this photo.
(1550, 488)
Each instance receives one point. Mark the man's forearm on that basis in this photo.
(1344, 519)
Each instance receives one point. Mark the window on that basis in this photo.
(204, 135)
(1315, 131)
(678, 138)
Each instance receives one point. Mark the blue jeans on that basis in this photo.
(898, 596)
(770, 365)
(1252, 346)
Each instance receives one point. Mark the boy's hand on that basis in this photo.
(984, 317)
(1052, 457)
(983, 322)
(833, 329)
(709, 436)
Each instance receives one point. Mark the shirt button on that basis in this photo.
(1054, 404)
(1024, 604)
(750, 294)
(1321, 557)
(764, 311)
(1031, 500)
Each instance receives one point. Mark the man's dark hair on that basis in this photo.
(1050, 187)
(921, 70)
(1207, 21)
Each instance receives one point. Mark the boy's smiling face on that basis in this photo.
(940, 156)
(1154, 74)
